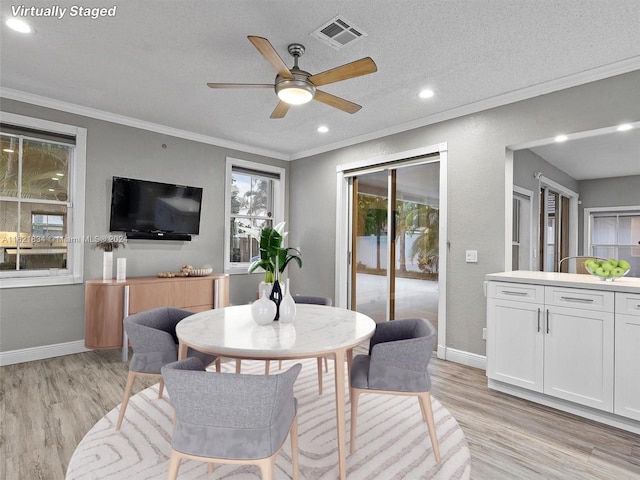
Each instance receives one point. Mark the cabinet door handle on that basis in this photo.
(547, 320)
(576, 299)
(518, 294)
(538, 319)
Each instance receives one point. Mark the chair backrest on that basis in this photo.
(153, 338)
(227, 415)
(400, 353)
(308, 299)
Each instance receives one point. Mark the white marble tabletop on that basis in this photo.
(316, 330)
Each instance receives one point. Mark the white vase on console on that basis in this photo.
(107, 266)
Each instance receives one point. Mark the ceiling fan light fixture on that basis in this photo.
(295, 92)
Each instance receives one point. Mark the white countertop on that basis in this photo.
(572, 280)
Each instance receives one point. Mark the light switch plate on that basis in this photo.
(471, 256)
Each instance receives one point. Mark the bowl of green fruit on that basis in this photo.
(610, 269)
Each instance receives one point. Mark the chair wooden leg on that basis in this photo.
(125, 398)
(238, 365)
(267, 467)
(210, 467)
(267, 364)
(161, 389)
(425, 400)
(353, 394)
(294, 447)
(279, 364)
(326, 365)
(218, 364)
(319, 360)
(174, 465)
(424, 413)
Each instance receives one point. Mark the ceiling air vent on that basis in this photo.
(338, 32)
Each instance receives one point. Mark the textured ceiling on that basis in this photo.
(151, 62)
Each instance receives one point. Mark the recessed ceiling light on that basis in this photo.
(323, 129)
(18, 25)
(426, 93)
(8, 150)
(561, 138)
(52, 190)
(624, 127)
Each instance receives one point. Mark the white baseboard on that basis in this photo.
(39, 353)
(465, 358)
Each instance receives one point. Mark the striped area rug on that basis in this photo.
(392, 439)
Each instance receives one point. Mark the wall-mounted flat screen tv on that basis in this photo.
(146, 209)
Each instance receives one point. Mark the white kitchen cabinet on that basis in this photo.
(567, 341)
(627, 357)
(552, 340)
(515, 345)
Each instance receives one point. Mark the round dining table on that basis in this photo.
(316, 331)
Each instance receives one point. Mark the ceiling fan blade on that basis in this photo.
(281, 110)
(269, 53)
(240, 85)
(336, 102)
(358, 68)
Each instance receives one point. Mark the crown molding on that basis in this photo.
(26, 97)
(574, 80)
(544, 88)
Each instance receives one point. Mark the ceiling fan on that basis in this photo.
(295, 86)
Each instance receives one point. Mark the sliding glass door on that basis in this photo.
(394, 259)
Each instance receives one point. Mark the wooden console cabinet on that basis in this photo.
(108, 303)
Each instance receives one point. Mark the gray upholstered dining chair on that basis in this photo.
(310, 300)
(399, 354)
(231, 418)
(152, 335)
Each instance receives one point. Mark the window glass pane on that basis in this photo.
(240, 240)
(41, 243)
(8, 234)
(45, 170)
(631, 255)
(629, 230)
(9, 166)
(240, 190)
(604, 230)
(260, 197)
(604, 252)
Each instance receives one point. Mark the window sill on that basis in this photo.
(33, 281)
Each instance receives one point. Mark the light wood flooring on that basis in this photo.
(47, 406)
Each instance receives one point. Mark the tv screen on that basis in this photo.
(140, 206)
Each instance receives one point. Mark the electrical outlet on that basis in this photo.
(471, 256)
(484, 333)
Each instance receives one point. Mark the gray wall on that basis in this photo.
(37, 316)
(476, 156)
(476, 150)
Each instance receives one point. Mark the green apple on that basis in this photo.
(591, 264)
(624, 265)
(613, 262)
(617, 272)
(608, 266)
(601, 272)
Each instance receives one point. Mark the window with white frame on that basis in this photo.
(615, 233)
(254, 199)
(42, 167)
